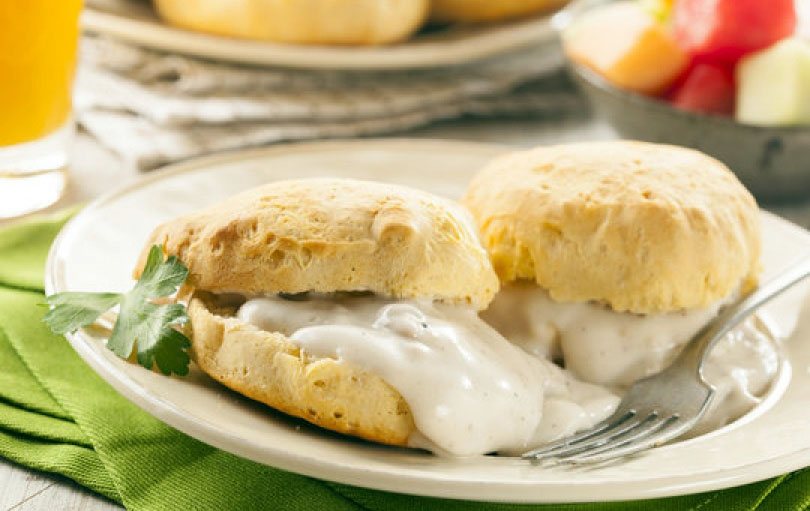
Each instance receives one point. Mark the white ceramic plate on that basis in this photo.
(97, 250)
(137, 22)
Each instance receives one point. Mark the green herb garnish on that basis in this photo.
(141, 323)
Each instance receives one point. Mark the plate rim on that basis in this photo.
(491, 41)
(342, 473)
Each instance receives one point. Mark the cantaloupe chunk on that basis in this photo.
(774, 85)
(625, 44)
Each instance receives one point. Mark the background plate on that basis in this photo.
(137, 22)
(98, 248)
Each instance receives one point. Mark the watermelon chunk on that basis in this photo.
(774, 85)
(706, 88)
(728, 29)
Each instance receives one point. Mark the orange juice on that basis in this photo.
(38, 40)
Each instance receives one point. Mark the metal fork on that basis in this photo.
(666, 405)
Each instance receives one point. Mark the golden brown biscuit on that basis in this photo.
(327, 235)
(321, 235)
(489, 10)
(300, 21)
(268, 367)
(642, 227)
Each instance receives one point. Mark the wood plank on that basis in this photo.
(66, 496)
(22, 489)
(18, 483)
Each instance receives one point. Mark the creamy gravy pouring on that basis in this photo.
(469, 389)
(604, 347)
(598, 344)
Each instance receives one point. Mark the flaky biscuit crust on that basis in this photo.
(642, 227)
(268, 367)
(327, 235)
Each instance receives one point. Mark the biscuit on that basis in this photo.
(644, 228)
(327, 235)
(351, 22)
(268, 367)
(321, 235)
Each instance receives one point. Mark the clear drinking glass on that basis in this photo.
(38, 41)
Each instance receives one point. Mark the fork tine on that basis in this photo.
(653, 434)
(601, 427)
(610, 438)
(595, 436)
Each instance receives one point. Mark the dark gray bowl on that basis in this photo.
(774, 163)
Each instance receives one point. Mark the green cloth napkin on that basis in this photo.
(56, 415)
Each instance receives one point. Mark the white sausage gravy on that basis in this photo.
(614, 349)
(470, 390)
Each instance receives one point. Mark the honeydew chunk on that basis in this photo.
(661, 10)
(627, 46)
(774, 85)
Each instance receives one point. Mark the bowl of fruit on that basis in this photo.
(728, 77)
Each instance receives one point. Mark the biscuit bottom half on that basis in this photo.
(402, 372)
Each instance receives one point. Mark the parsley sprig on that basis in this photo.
(141, 323)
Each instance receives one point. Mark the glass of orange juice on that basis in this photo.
(38, 43)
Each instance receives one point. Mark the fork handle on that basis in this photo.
(697, 350)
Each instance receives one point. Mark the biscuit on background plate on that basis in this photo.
(349, 22)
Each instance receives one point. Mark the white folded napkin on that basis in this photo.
(154, 108)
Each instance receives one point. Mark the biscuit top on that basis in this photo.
(644, 228)
(326, 235)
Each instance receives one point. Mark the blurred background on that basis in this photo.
(165, 80)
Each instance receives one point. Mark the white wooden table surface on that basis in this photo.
(95, 170)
